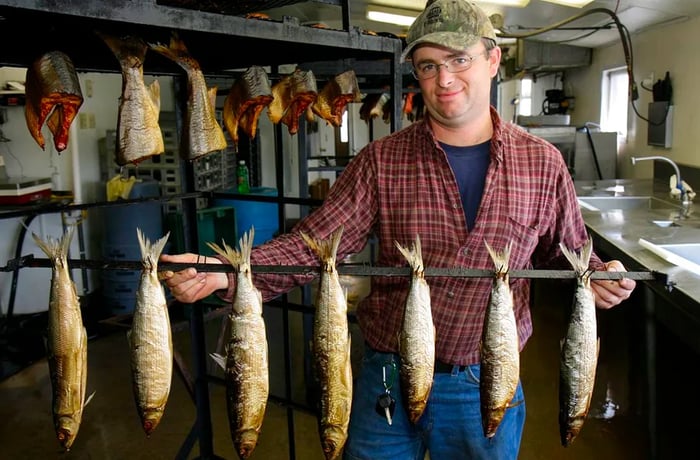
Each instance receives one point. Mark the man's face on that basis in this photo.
(454, 95)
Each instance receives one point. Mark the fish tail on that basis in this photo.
(413, 255)
(150, 252)
(177, 52)
(55, 248)
(245, 245)
(326, 250)
(580, 261)
(500, 258)
(129, 51)
(227, 252)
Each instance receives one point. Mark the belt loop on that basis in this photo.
(455, 370)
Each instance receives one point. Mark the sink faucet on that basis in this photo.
(684, 197)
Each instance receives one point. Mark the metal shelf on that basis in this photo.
(220, 42)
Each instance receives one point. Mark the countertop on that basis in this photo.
(616, 235)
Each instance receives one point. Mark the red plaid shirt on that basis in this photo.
(402, 185)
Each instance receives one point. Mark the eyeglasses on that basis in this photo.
(427, 70)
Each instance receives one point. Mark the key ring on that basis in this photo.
(387, 386)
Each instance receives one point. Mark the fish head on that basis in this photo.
(245, 444)
(333, 441)
(66, 431)
(245, 450)
(150, 420)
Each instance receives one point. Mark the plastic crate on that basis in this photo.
(213, 225)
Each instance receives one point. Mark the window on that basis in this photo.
(525, 105)
(614, 102)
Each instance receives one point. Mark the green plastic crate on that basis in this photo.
(213, 225)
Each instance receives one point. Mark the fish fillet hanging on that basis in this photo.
(201, 133)
(53, 96)
(139, 134)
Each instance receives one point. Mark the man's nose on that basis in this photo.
(444, 76)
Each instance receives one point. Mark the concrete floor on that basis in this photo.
(111, 430)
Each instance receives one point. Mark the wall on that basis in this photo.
(667, 48)
(75, 169)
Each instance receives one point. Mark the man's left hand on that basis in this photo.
(609, 293)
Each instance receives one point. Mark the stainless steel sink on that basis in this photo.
(608, 203)
(686, 255)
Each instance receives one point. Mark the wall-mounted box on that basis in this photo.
(660, 132)
(535, 56)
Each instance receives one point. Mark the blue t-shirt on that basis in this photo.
(469, 165)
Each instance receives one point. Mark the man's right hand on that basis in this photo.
(188, 285)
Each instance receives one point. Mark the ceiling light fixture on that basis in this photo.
(390, 18)
(384, 14)
(572, 3)
(518, 3)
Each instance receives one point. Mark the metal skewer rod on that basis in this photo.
(355, 270)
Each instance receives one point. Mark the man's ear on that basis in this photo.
(495, 60)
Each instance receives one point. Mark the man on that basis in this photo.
(457, 178)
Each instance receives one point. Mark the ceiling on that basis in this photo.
(592, 30)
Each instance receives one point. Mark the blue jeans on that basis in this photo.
(450, 427)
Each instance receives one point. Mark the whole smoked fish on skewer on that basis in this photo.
(150, 339)
(500, 352)
(336, 94)
(202, 134)
(579, 351)
(53, 97)
(331, 348)
(417, 337)
(66, 342)
(139, 134)
(246, 361)
(246, 99)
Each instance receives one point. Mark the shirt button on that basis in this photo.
(465, 252)
(456, 205)
(450, 294)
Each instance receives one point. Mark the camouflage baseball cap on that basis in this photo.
(455, 24)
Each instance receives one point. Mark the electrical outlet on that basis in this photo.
(86, 120)
(649, 81)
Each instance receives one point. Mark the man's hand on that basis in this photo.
(188, 285)
(609, 293)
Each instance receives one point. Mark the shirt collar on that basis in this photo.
(496, 139)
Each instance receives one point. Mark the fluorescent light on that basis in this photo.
(573, 3)
(518, 3)
(390, 18)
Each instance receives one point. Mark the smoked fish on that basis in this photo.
(150, 339)
(53, 96)
(500, 352)
(331, 348)
(335, 96)
(246, 361)
(246, 99)
(292, 96)
(202, 134)
(373, 106)
(138, 133)
(66, 342)
(417, 337)
(579, 351)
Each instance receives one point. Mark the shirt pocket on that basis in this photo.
(524, 236)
